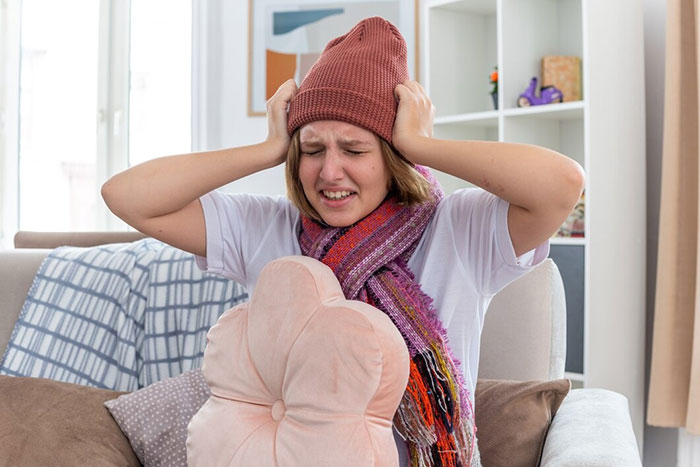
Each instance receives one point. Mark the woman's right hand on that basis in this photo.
(277, 116)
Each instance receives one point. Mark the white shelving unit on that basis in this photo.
(461, 43)
(567, 241)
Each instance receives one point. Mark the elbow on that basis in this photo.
(575, 184)
(578, 179)
(110, 195)
(106, 192)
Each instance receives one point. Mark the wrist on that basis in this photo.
(274, 151)
(415, 149)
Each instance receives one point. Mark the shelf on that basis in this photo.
(567, 241)
(559, 111)
(484, 119)
(577, 381)
(482, 126)
(573, 376)
(480, 7)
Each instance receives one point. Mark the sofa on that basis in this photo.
(523, 340)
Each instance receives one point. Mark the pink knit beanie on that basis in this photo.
(354, 79)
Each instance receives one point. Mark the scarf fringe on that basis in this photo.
(445, 454)
(433, 427)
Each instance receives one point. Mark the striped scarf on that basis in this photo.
(370, 260)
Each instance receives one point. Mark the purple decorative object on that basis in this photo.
(548, 95)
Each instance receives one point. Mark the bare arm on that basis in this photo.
(160, 197)
(541, 185)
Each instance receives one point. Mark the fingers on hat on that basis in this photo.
(400, 90)
(415, 86)
(285, 92)
(407, 89)
(287, 86)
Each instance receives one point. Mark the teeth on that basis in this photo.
(336, 194)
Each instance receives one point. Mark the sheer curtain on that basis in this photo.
(674, 388)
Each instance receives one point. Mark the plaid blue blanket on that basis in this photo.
(119, 316)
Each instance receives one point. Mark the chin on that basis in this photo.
(337, 219)
(338, 222)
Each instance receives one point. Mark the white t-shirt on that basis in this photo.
(464, 257)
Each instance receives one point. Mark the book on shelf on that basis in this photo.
(564, 73)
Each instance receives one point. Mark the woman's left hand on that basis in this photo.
(414, 117)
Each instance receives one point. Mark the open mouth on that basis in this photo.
(336, 195)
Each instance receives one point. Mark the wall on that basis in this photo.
(228, 124)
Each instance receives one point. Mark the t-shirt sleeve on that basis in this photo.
(480, 223)
(235, 225)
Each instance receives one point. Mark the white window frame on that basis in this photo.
(112, 100)
(205, 29)
(10, 12)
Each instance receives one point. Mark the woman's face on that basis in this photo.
(342, 171)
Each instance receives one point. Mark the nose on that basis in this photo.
(332, 168)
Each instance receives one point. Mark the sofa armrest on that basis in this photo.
(17, 271)
(28, 239)
(591, 428)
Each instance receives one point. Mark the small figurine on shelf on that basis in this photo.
(548, 95)
(574, 225)
(494, 87)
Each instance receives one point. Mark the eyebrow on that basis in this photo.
(344, 142)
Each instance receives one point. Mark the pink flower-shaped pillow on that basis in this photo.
(300, 376)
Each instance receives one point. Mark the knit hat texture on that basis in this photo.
(354, 79)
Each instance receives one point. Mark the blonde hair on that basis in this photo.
(409, 186)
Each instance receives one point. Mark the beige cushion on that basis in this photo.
(44, 422)
(513, 418)
(300, 376)
(524, 335)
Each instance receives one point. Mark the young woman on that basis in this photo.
(356, 137)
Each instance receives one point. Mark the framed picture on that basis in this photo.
(286, 37)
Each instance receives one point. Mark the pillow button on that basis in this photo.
(278, 410)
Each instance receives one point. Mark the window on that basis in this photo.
(58, 98)
(102, 85)
(160, 103)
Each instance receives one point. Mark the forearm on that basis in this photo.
(532, 177)
(167, 184)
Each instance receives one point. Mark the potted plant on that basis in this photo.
(494, 87)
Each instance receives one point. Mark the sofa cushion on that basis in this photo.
(155, 418)
(44, 422)
(532, 305)
(513, 417)
(300, 376)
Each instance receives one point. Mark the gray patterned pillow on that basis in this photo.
(155, 418)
